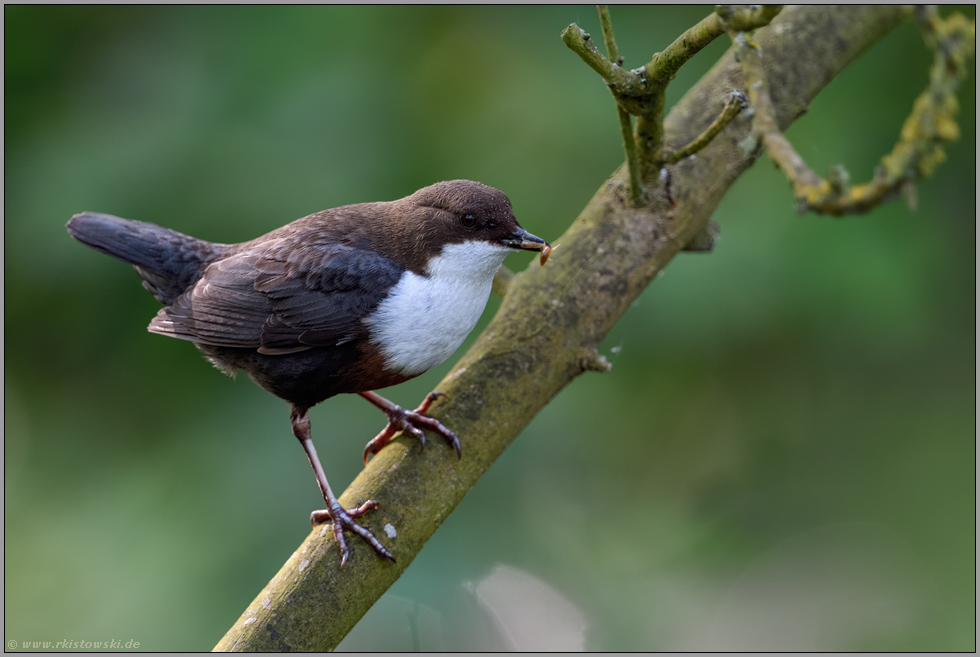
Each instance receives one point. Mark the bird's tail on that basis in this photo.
(168, 262)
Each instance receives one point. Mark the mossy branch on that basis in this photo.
(545, 334)
(919, 148)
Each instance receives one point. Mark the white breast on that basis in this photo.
(424, 319)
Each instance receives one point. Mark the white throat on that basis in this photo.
(424, 319)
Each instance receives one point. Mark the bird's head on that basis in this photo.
(468, 219)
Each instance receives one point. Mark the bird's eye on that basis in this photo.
(468, 220)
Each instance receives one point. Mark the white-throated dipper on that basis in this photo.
(346, 300)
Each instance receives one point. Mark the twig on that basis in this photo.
(625, 127)
(664, 66)
(735, 104)
(642, 91)
(918, 150)
(620, 81)
(607, 33)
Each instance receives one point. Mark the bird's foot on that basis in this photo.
(342, 519)
(411, 422)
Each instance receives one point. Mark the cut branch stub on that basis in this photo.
(743, 18)
(628, 87)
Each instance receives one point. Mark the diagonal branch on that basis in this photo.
(620, 81)
(735, 104)
(545, 334)
(660, 71)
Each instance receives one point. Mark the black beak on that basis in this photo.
(525, 240)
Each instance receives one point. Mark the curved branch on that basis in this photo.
(545, 334)
(919, 148)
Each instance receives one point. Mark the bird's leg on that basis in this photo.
(411, 421)
(339, 518)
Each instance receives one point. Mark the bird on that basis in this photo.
(343, 301)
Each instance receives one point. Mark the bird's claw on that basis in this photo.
(341, 519)
(412, 422)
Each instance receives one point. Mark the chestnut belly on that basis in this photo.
(308, 377)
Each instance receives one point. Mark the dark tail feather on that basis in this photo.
(169, 262)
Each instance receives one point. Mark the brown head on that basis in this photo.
(418, 227)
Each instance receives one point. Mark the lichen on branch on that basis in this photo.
(919, 148)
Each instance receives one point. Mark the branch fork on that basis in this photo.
(641, 92)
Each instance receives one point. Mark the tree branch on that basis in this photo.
(735, 104)
(582, 44)
(642, 91)
(545, 334)
(660, 71)
(919, 148)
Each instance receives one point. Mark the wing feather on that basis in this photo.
(282, 297)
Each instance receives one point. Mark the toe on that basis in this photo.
(370, 505)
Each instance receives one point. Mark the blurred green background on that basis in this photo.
(782, 457)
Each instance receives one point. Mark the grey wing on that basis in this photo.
(281, 300)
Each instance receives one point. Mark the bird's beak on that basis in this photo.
(525, 240)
